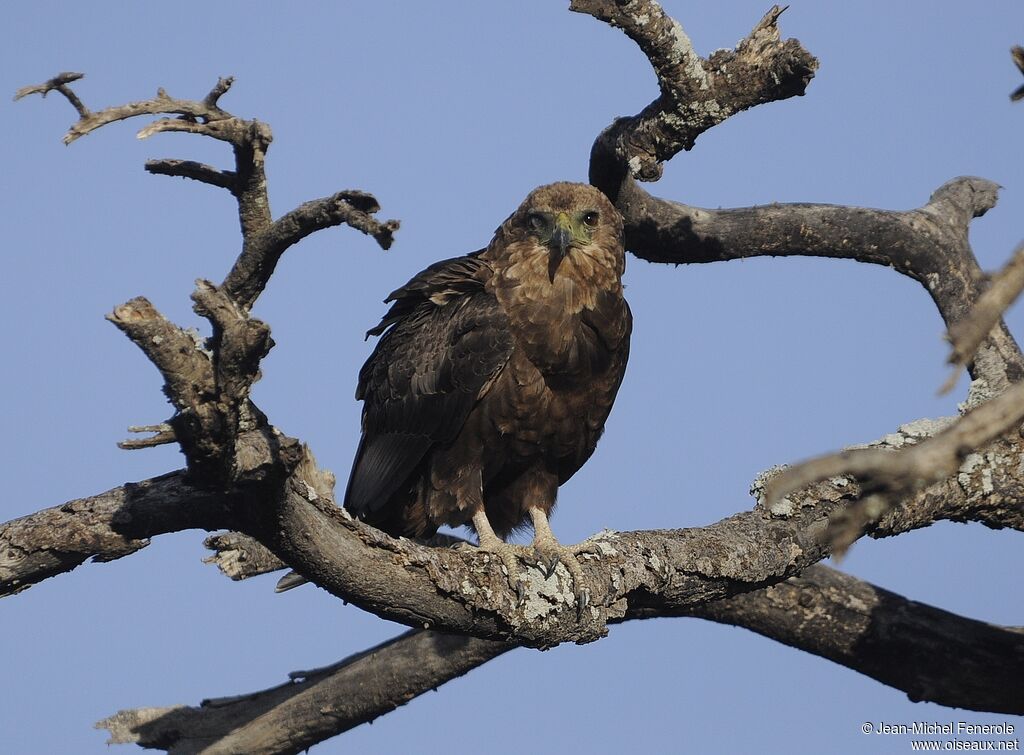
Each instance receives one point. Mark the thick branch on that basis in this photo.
(928, 244)
(104, 527)
(294, 716)
(178, 355)
(461, 590)
(190, 382)
(930, 654)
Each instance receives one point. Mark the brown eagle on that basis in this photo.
(493, 378)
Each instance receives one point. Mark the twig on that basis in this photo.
(887, 475)
(968, 334)
(224, 179)
(162, 435)
(1017, 53)
(263, 240)
(60, 83)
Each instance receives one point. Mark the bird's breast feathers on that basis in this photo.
(583, 276)
(570, 327)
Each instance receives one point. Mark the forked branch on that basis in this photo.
(696, 93)
(264, 241)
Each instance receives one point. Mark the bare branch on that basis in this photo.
(264, 241)
(191, 383)
(219, 89)
(60, 83)
(224, 179)
(967, 334)
(104, 527)
(294, 716)
(176, 353)
(1017, 53)
(240, 557)
(930, 654)
(162, 435)
(192, 112)
(198, 114)
(253, 269)
(696, 94)
(462, 590)
(890, 476)
(929, 244)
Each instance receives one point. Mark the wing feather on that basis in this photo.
(445, 339)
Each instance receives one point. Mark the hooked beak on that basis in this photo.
(558, 244)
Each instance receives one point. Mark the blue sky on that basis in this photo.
(450, 113)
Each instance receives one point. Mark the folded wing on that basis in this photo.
(445, 339)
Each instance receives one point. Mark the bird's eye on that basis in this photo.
(590, 218)
(538, 221)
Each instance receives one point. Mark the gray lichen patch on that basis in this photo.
(975, 475)
(912, 433)
(760, 483)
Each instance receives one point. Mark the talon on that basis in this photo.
(582, 602)
(520, 593)
(549, 567)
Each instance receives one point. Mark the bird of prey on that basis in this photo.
(493, 378)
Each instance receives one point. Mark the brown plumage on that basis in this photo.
(494, 377)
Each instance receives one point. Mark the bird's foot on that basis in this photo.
(511, 557)
(549, 553)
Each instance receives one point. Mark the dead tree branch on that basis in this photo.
(104, 527)
(696, 94)
(264, 241)
(314, 705)
(1017, 53)
(968, 334)
(224, 179)
(459, 590)
(928, 244)
(930, 654)
(58, 83)
(888, 477)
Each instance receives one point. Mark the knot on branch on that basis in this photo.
(962, 199)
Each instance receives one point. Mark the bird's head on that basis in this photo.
(564, 219)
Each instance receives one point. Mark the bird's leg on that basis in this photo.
(508, 553)
(550, 553)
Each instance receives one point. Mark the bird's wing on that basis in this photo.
(446, 340)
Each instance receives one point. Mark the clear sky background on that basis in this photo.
(450, 112)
